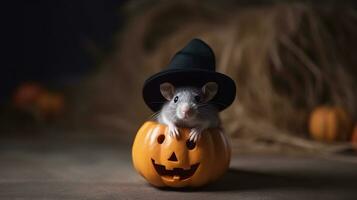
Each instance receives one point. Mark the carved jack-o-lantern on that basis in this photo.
(177, 162)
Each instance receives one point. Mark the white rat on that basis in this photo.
(189, 107)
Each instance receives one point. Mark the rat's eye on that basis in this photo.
(197, 98)
(176, 99)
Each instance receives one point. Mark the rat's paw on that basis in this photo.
(195, 134)
(173, 131)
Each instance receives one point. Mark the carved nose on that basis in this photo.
(173, 157)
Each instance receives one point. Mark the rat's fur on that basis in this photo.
(204, 115)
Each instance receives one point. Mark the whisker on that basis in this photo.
(158, 102)
(212, 103)
(219, 103)
(202, 105)
(154, 115)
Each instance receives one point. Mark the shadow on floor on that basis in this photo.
(239, 180)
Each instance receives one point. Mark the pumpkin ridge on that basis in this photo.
(212, 154)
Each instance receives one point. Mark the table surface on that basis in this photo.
(57, 167)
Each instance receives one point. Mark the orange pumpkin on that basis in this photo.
(26, 94)
(50, 105)
(166, 161)
(354, 136)
(330, 124)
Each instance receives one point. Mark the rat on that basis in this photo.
(189, 107)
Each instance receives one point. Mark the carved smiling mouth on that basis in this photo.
(176, 173)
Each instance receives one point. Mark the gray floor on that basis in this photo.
(62, 168)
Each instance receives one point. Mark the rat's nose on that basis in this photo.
(186, 110)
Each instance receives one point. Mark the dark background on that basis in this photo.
(56, 42)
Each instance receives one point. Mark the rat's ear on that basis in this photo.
(209, 90)
(167, 90)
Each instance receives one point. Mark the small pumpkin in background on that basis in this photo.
(354, 137)
(330, 123)
(177, 162)
(50, 105)
(26, 94)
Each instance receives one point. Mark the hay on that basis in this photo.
(285, 58)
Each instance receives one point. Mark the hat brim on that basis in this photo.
(193, 77)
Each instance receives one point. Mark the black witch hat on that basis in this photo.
(194, 65)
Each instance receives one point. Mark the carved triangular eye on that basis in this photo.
(173, 157)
